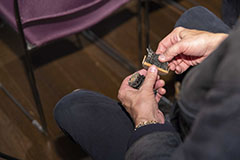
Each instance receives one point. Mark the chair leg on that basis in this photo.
(1, 24)
(175, 4)
(7, 157)
(29, 67)
(107, 49)
(146, 23)
(139, 29)
(78, 40)
(146, 17)
(25, 112)
(146, 27)
(32, 81)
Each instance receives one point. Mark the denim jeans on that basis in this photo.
(101, 125)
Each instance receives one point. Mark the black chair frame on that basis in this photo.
(29, 48)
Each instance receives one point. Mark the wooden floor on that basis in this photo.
(66, 65)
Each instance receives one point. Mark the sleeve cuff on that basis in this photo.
(142, 131)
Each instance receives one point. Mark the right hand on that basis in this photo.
(142, 103)
(186, 47)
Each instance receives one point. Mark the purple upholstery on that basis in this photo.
(6, 12)
(32, 10)
(47, 20)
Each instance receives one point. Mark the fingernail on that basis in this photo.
(153, 69)
(161, 57)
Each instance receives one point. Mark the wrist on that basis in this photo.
(140, 120)
(145, 123)
(217, 39)
(220, 37)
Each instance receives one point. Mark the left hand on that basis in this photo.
(184, 47)
(142, 103)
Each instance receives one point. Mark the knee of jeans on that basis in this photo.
(61, 108)
(65, 105)
(191, 13)
(198, 9)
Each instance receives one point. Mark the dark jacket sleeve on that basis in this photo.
(152, 141)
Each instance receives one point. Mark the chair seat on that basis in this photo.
(45, 20)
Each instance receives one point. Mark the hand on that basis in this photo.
(142, 104)
(186, 47)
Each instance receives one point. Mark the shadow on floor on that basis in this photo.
(68, 150)
(53, 51)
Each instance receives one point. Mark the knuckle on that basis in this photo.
(162, 82)
(178, 29)
(183, 46)
(120, 95)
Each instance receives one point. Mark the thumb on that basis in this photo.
(172, 51)
(151, 78)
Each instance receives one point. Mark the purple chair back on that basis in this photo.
(45, 20)
(34, 10)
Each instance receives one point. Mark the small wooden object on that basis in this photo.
(152, 59)
(137, 79)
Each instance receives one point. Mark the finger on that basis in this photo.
(151, 78)
(142, 72)
(172, 67)
(162, 91)
(176, 61)
(158, 97)
(159, 84)
(179, 59)
(169, 40)
(178, 70)
(173, 51)
(181, 67)
(161, 48)
(160, 117)
(125, 81)
(123, 87)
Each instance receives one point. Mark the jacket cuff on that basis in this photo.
(142, 131)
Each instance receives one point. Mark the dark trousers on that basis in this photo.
(101, 125)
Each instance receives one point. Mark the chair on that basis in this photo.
(41, 21)
(145, 19)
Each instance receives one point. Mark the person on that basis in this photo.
(205, 119)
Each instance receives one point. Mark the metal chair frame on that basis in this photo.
(29, 68)
(29, 48)
(7, 157)
(146, 21)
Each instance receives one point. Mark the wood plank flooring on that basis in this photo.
(63, 66)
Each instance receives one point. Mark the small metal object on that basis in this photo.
(136, 80)
(152, 59)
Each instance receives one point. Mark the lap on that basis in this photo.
(201, 18)
(99, 124)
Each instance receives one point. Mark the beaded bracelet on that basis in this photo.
(144, 123)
